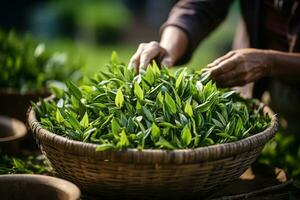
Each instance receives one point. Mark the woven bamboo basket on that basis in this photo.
(150, 174)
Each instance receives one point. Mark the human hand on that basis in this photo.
(147, 52)
(240, 67)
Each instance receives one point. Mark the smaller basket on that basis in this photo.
(14, 104)
(12, 131)
(36, 187)
(150, 174)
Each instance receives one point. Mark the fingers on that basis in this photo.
(135, 59)
(151, 52)
(223, 67)
(145, 54)
(221, 59)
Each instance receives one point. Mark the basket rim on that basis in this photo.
(154, 156)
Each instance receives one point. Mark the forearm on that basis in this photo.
(175, 41)
(285, 65)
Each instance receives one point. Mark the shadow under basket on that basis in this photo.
(150, 174)
(36, 187)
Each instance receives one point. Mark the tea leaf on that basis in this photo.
(155, 132)
(186, 135)
(123, 140)
(114, 58)
(170, 103)
(164, 144)
(138, 91)
(188, 109)
(59, 117)
(104, 147)
(115, 127)
(74, 90)
(179, 79)
(85, 121)
(119, 100)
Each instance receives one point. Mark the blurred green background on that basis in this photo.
(91, 29)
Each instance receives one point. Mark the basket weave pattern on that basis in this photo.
(150, 173)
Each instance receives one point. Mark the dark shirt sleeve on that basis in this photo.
(197, 18)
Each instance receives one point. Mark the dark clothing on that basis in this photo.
(200, 17)
(274, 27)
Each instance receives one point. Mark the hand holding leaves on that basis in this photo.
(157, 109)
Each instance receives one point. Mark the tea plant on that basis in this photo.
(28, 165)
(155, 109)
(27, 65)
(284, 152)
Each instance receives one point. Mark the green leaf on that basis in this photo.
(205, 77)
(170, 103)
(238, 126)
(114, 58)
(138, 91)
(150, 76)
(167, 124)
(73, 89)
(164, 144)
(115, 127)
(217, 123)
(186, 135)
(155, 132)
(204, 106)
(155, 67)
(147, 113)
(104, 147)
(59, 117)
(160, 97)
(85, 121)
(188, 109)
(222, 119)
(119, 100)
(58, 92)
(124, 142)
(73, 121)
(179, 79)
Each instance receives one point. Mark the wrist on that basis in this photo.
(270, 59)
(175, 42)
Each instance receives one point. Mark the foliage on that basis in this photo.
(28, 165)
(26, 65)
(156, 109)
(284, 152)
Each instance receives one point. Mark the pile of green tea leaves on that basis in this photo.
(283, 151)
(27, 65)
(27, 165)
(155, 109)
